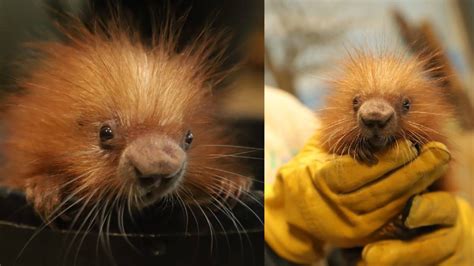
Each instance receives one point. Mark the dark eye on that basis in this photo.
(406, 105)
(188, 139)
(356, 102)
(106, 133)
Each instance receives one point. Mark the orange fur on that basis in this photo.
(392, 77)
(51, 144)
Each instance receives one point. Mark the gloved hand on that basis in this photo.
(450, 245)
(319, 198)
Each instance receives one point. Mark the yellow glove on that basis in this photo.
(451, 245)
(319, 198)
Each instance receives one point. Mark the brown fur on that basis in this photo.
(391, 77)
(52, 146)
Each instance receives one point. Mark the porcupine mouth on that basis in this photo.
(377, 142)
(156, 191)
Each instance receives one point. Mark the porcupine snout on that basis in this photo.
(378, 121)
(155, 161)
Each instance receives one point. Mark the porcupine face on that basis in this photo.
(112, 118)
(378, 99)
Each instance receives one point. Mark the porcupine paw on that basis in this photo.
(366, 156)
(396, 229)
(233, 189)
(43, 198)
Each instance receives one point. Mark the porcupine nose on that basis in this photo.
(376, 113)
(155, 159)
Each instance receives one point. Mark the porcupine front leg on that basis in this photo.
(44, 194)
(365, 155)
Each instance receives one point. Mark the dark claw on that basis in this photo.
(406, 210)
(366, 156)
(417, 147)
